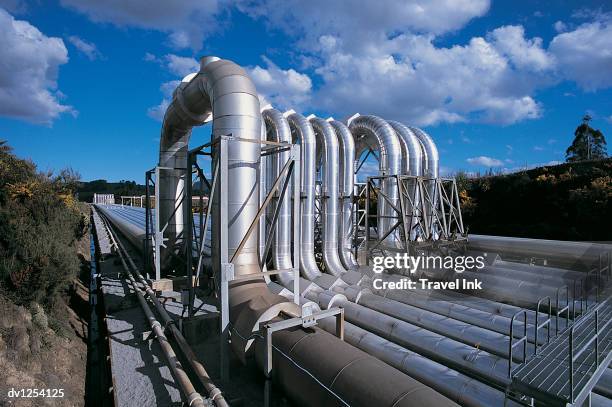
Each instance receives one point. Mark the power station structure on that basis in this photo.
(283, 240)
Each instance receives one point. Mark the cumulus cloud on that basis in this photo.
(187, 22)
(28, 72)
(585, 54)
(88, 48)
(181, 66)
(560, 26)
(178, 66)
(284, 89)
(362, 23)
(485, 161)
(488, 79)
(157, 112)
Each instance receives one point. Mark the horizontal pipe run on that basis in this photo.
(189, 392)
(452, 353)
(214, 393)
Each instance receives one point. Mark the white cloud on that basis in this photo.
(284, 89)
(538, 148)
(187, 22)
(585, 54)
(524, 53)
(560, 26)
(158, 112)
(88, 48)
(363, 23)
(487, 79)
(485, 161)
(29, 68)
(181, 66)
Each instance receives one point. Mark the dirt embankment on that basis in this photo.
(47, 349)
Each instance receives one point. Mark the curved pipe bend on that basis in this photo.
(222, 90)
(327, 144)
(431, 169)
(347, 191)
(413, 158)
(375, 133)
(277, 129)
(302, 130)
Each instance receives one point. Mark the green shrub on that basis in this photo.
(568, 202)
(39, 225)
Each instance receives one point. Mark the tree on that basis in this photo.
(588, 144)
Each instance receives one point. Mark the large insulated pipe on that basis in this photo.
(493, 342)
(452, 384)
(413, 160)
(431, 169)
(347, 374)
(278, 130)
(302, 131)
(444, 350)
(236, 112)
(575, 255)
(327, 143)
(413, 152)
(372, 132)
(347, 190)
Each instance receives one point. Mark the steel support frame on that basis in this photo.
(417, 225)
(154, 239)
(291, 172)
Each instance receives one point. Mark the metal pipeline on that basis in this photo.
(413, 160)
(236, 112)
(431, 169)
(353, 386)
(444, 350)
(374, 133)
(456, 386)
(411, 148)
(266, 166)
(214, 393)
(341, 373)
(450, 383)
(278, 130)
(302, 131)
(327, 143)
(182, 380)
(347, 190)
(490, 341)
(574, 255)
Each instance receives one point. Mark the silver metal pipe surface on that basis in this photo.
(302, 131)
(278, 130)
(347, 190)
(327, 143)
(431, 169)
(372, 132)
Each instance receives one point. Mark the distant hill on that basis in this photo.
(571, 201)
(86, 190)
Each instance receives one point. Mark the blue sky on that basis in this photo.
(497, 84)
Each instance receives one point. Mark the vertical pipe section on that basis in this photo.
(375, 133)
(302, 131)
(328, 145)
(347, 190)
(413, 159)
(237, 113)
(431, 170)
(278, 129)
